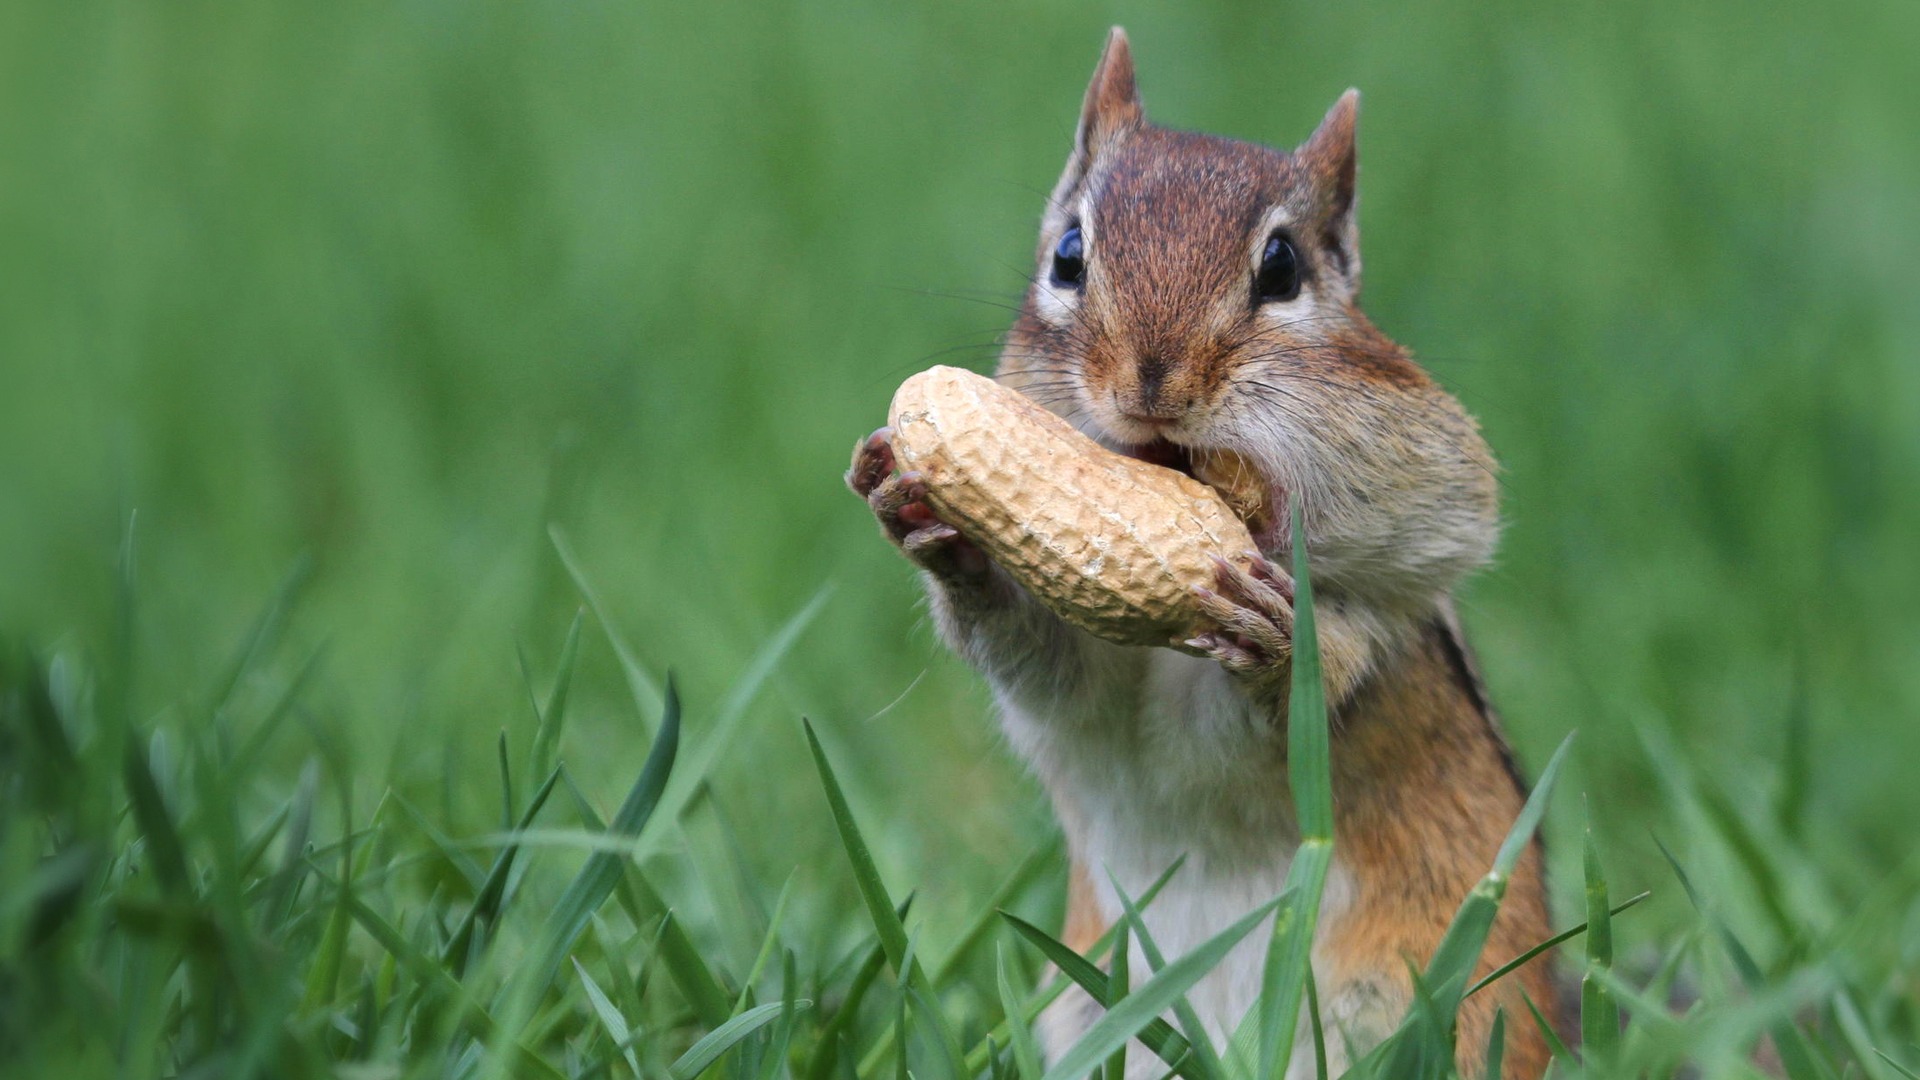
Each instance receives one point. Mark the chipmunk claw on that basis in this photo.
(1252, 608)
(872, 462)
(899, 503)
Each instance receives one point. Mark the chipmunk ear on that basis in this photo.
(1112, 105)
(1333, 163)
(1110, 111)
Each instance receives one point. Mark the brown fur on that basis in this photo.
(1425, 788)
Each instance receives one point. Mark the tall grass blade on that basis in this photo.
(609, 1015)
(1157, 1036)
(1144, 1006)
(873, 892)
(1119, 981)
(1899, 1068)
(1556, 940)
(1459, 951)
(546, 739)
(1026, 1052)
(645, 691)
(1309, 773)
(1206, 1060)
(603, 870)
(1020, 878)
(166, 852)
(725, 1037)
(721, 735)
(768, 943)
(1599, 1014)
(827, 1048)
(1795, 1056)
(263, 634)
(493, 889)
(1034, 1006)
(1319, 1029)
(434, 978)
(1408, 1050)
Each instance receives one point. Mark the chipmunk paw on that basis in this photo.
(899, 503)
(1251, 608)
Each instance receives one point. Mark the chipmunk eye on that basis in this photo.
(1279, 274)
(1069, 259)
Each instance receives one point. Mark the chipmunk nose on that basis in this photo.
(1152, 374)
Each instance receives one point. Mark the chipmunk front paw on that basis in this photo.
(899, 503)
(1253, 610)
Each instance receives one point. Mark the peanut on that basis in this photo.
(1114, 544)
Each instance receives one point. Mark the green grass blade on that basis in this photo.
(432, 976)
(977, 1057)
(609, 1015)
(1020, 878)
(1795, 1056)
(873, 892)
(696, 981)
(506, 781)
(639, 898)
(603, 870)
(827, 1049)
(1556, 1048)
(1899, 1068)
(1599, 1014)
(645, 691)
(1309, 773)
(776, 1051)
(546, 739)
(725, 1037)
(1556, 940)
(1407, 1051)
(1459, 950)
(722, 734)
(1853, 1026)
(263, 634)
(1319, 1030)
(866, 876)
(1206, 1060)
(280, 888)
(1026, 1052)
(487, 901)
(1143, 1007)
(1119, 982)
(448, 850)
(166, 852)
(767, 943)
(1157, 1036)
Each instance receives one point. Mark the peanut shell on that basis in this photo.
(1114, 544)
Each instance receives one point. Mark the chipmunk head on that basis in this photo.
(1197, 295)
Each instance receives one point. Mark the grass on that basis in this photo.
(457, 369)
(169, 913)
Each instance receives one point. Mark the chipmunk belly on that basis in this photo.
(1184, 764)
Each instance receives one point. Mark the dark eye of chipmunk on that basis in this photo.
(1279, 275)
(1069, 259)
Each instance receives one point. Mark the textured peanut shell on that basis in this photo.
(1115, 545)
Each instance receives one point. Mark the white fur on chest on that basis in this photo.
(1171, 760)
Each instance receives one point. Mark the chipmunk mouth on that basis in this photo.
(1239, 483)
(1166, 454)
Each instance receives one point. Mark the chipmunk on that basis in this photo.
(1198, 295)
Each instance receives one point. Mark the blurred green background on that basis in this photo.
(393, 286)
